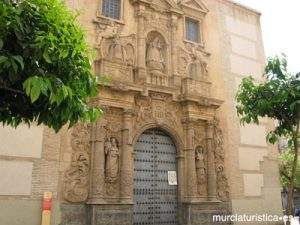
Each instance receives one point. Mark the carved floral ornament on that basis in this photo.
(222, 181)
(76, 178)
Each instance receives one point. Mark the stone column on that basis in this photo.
(126, 184)
(97, 190)
(141, 44)
(211, 172)
(191, 191)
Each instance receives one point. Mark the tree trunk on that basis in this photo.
(290, 203)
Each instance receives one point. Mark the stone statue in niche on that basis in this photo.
(112, 153)
(155, 59)
(200, 169)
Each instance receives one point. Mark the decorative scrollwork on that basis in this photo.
(76, 178)
(222, 181)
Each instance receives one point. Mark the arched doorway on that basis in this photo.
(155, 195)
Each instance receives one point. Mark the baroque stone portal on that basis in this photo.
(160, 82)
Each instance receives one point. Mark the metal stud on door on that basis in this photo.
(155, 200)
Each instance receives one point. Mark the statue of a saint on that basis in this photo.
(200, 165)
(155, 59)
(112, 153)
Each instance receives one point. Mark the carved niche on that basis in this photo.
(76, 178)
(201, 159)
(222, 181)
(193, 62)
(156, 60)
(116, 52)
(112, 136)
(112, 156)
(199, 141)
(157, 108)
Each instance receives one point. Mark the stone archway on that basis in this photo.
(155, 196)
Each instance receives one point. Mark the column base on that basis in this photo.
(213, 199)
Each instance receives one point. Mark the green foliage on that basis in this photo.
(277, 98)
(285, 167)
(45, 70)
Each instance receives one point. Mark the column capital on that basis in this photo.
(128, 112)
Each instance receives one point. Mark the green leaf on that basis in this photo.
(35, 93)
(3, 58)
(19, 59)
(15, 66)
(47, 57)
(1, 44)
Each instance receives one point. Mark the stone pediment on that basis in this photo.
(197, 5)
(169, 5)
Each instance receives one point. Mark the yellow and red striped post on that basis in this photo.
(46, 207)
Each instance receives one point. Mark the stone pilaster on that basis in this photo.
(97, 189)
(126, 184)
(211, 172)
(191, 191)
(141, 44)
(174, 24)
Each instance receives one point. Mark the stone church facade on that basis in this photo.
(169, 148)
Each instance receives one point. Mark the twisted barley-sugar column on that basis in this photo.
(211, 172)
(126, 184)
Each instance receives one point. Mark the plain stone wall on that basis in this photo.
(29, 166)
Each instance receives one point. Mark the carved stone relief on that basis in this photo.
(156, 59)
(76, 178)
(200, 157)
(112, 157)
(112, 133)
(193, 62)
(222, 181)
(105, 30)
(157, 108)
(116, 50)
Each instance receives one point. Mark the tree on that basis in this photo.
(45, 70)
(278, 98)
(285, 168)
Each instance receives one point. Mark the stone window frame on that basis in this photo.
(200, 30)
(121, 18)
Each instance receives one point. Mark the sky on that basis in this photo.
(280, 23)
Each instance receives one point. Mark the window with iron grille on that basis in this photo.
(192, 30)
(111, 8)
